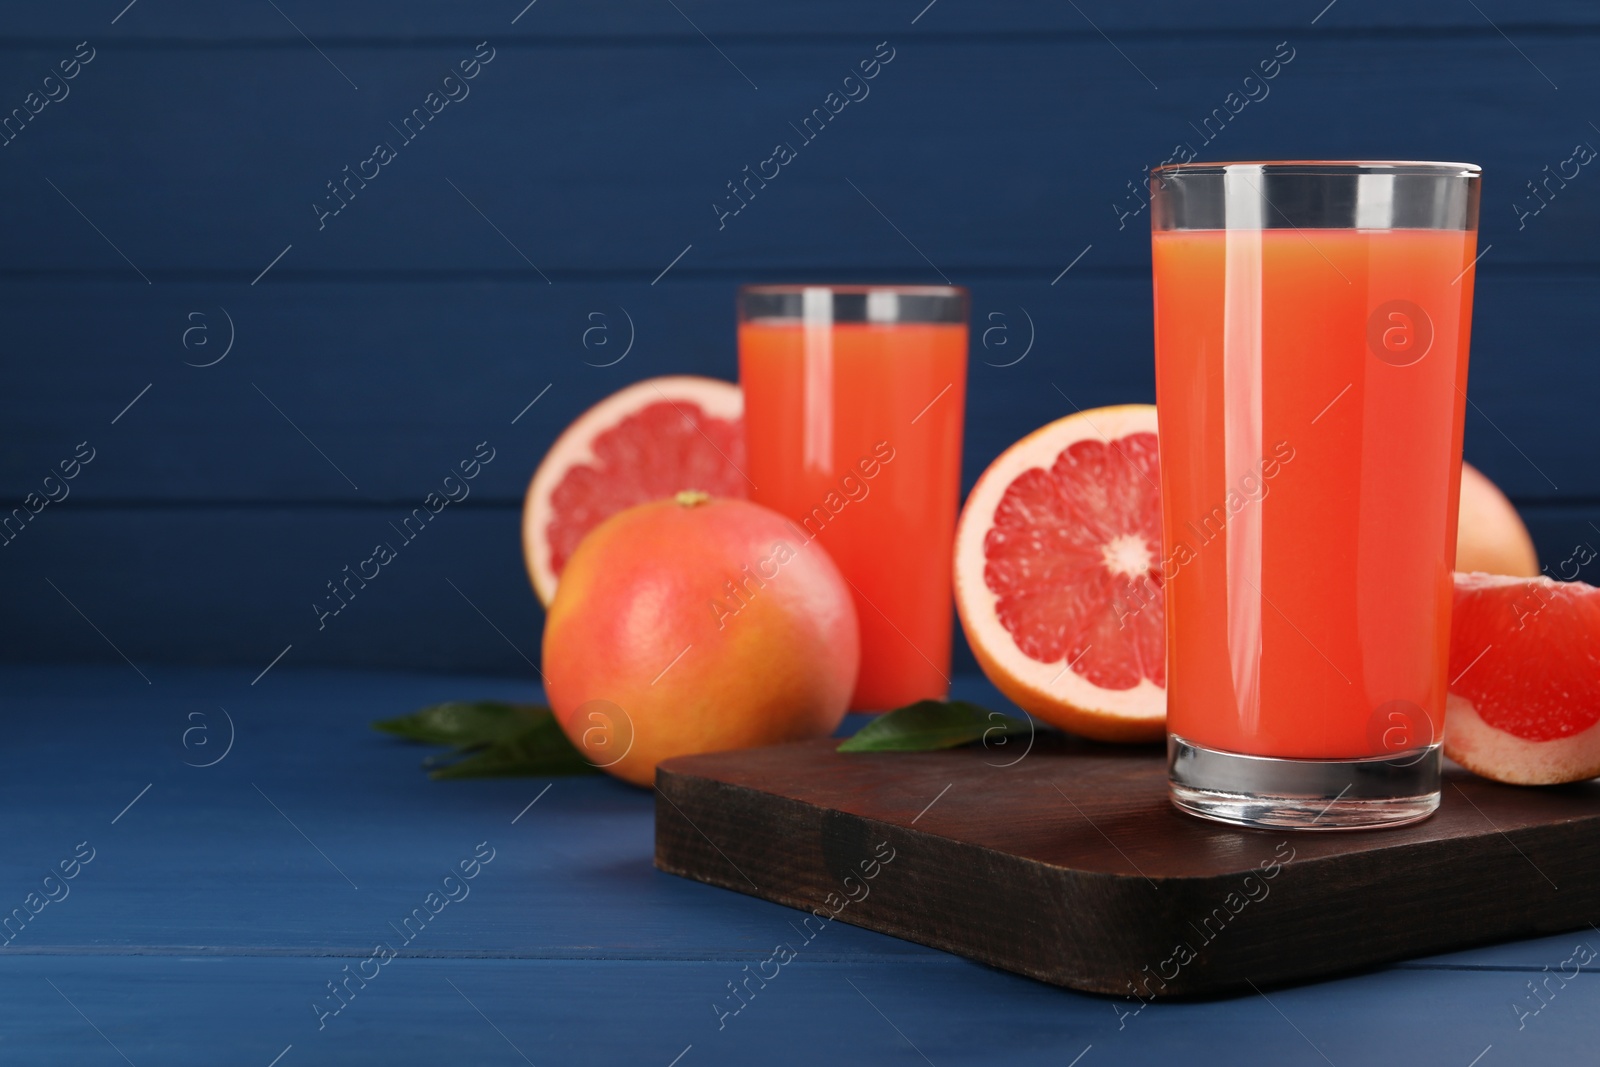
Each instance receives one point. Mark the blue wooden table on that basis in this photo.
(217, 904)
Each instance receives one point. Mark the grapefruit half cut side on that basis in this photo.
(1058, 540)
(649, 441)
(1524, 704)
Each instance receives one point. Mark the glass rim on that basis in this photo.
(787, 288)
(876, 305)
(1327, 166)
(1357, 194)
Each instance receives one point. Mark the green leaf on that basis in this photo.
(465, 723)
(928, 725)
(539, 750)
(490, 739)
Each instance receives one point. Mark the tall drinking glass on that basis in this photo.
(853, 408)
(1311, 324)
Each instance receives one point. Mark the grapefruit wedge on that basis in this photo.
(1524, 704)
(650, 441)
(1058, 537)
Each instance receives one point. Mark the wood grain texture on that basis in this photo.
(207, 862)
(236, 584)
(206, 925)
(395, 381)
(373, 20)
(1070, 866)
(247, 1010)
(998, 141)
(603, 157)
(997, 146)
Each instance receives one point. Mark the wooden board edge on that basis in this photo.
(1304, 933)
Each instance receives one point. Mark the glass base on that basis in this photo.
(1303, 794)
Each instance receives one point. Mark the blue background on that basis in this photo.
(1001, 140)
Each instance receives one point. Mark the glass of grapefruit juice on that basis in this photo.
(853, 401)
(1311, 326)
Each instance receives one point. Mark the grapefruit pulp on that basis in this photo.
(1058, 574)
(653, 439)
(1524, 703)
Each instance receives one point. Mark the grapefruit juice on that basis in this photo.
(853, 418)
(1310, 389)
(1319, 586)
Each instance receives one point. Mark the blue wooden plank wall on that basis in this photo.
(255, 374)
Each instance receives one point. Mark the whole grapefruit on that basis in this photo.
(697, 624)
(1490, 536)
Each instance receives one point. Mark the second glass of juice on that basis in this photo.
(853, 413)
(1311, 324)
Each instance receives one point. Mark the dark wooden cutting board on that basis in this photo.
(1071, 867)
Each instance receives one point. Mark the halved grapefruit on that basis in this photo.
(1524, 704)
(656, 438)
(1057, 538)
